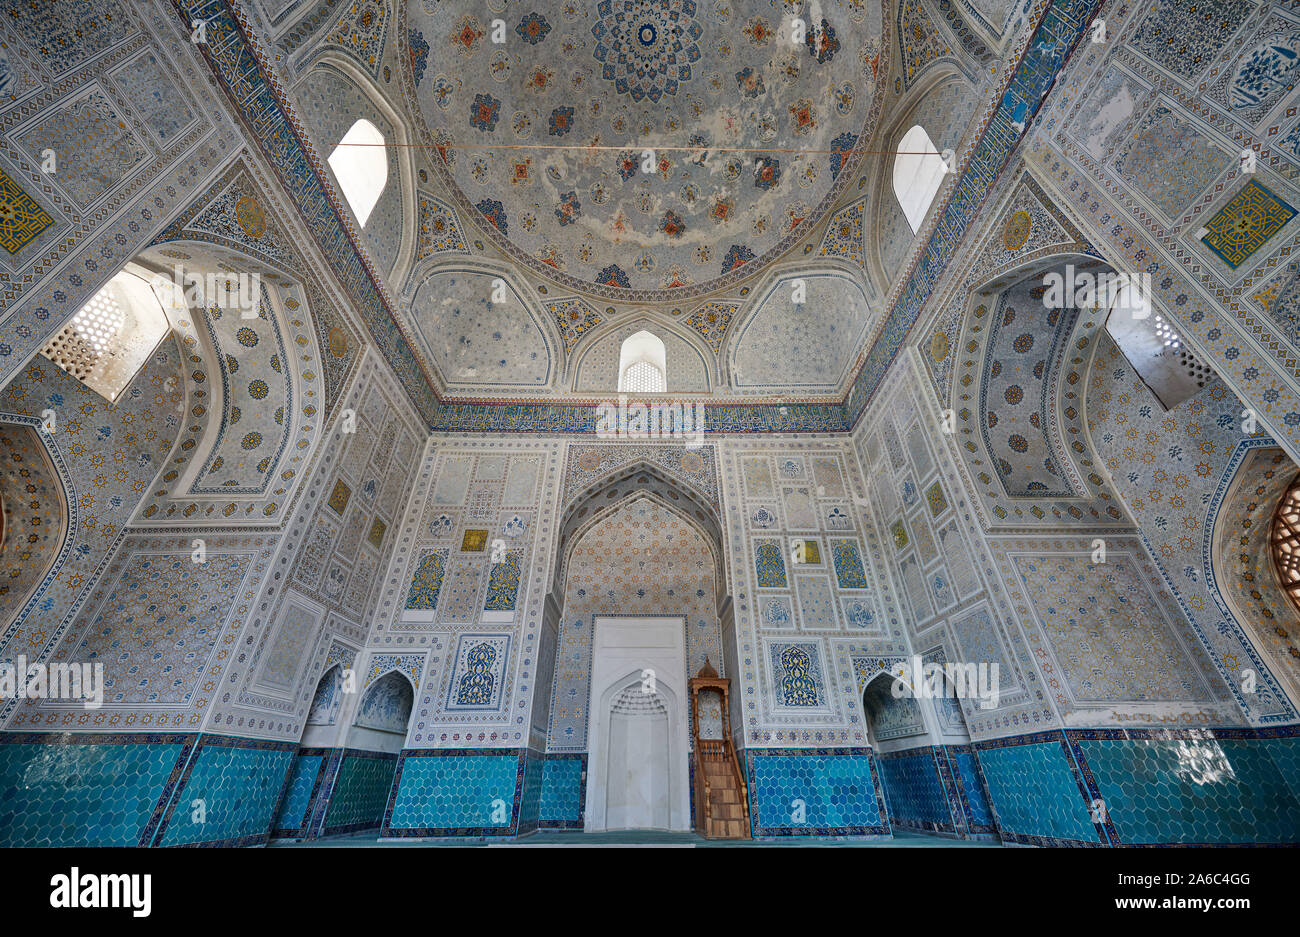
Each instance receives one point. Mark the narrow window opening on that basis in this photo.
(918, 174)
(642, 365)
(360, 163)
(1154, 348)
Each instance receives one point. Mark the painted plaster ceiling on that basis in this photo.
(543, 137)
(805, 346)
(479, 332)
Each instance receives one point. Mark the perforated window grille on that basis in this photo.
(110, 338)
(88, 338)
(1285, 542)
(643, 378)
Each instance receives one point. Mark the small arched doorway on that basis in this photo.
(368, 762)
(294, 816)
(891, 721)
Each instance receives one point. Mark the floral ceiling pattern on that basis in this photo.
(647, 148)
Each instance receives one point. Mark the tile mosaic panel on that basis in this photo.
(454, 792)
(814, 792)
(100, 792)
(1035, 793)
(239, 788)
(294, 808)
(360, 792)
(913, 790)
(1192, 791)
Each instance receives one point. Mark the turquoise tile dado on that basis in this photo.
(361, 791)
(913, 790)
(456, 792)
(530, 795)
(563, 788)
(1193, 790)
(814, 792)
(966, 773)
(229, 793)
(1035, 794)
(1286, 755)
(103, 793)
(297, 799)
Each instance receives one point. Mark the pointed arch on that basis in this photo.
(593, 365)
(642, 364)
(386, 704)
(394, 245)
(586, 507)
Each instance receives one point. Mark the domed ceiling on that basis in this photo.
(545, 135)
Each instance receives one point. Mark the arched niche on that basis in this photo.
(638, 770)
(1242, 562)
(682, 535)
(328, 698)
(254, 384)
(383, 714)
(890, 718)
(34, 500)
(594, 362)
(1018, 391)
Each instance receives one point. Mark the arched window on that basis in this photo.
(642, 365)
(918, 174)
(360, 163)
(111, 337)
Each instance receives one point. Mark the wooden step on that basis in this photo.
(728, 829)
(724, 811)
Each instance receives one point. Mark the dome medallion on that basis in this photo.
(643, 150)
(646, 49)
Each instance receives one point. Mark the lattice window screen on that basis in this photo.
(1285, 541)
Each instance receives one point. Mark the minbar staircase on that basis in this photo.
(721, 795)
